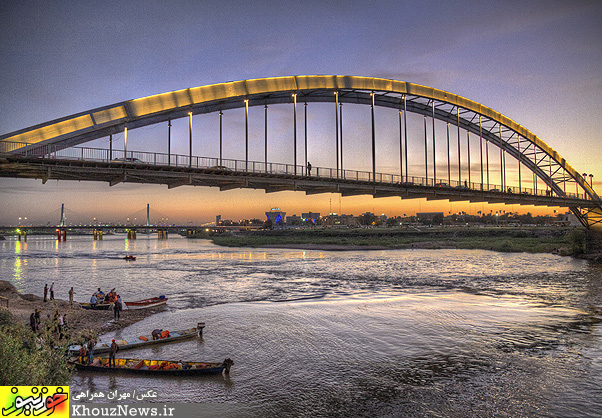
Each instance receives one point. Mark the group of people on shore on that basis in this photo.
(51, 291)
(112, 298)
(57, 324)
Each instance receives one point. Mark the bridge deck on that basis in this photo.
(179, 170)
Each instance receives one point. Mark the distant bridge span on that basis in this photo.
(48, 150)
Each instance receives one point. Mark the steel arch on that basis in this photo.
(469, 115)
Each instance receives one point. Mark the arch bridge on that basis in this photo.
(53, 150)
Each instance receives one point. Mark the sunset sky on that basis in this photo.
(537, 62)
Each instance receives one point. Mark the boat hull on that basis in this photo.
(97, 307)
(147, 303)
(127, 345)
(207, 369)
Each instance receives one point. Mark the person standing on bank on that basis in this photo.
(46, 292)
(91, 345)
(37, 316)
(32, 322)
(114, 350)
(52, 291)
(71, 293)
(117, 308)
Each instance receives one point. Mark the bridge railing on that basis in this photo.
(177, 160)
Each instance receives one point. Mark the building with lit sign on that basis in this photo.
(276, 216)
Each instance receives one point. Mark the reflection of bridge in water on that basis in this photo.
(540, 176)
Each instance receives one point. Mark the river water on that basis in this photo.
(401, 333)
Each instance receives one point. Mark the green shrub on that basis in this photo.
(29, 360)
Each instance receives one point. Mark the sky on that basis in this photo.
(537, 62)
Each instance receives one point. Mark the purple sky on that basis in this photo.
(538, 63)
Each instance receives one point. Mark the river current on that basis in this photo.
(400, 333)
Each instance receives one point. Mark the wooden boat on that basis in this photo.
(98, 306)
(147, 303)
(144, 341)
(154, 367)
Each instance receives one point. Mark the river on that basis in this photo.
(401, 333)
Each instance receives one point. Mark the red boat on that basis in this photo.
(147, 303)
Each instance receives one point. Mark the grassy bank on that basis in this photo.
(536, 240)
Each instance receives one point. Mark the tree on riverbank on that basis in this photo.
(28, 359)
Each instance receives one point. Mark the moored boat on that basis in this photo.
(147, 303)
(144, 341)
(155, 367)
(98, 306)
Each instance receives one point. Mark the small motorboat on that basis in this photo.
(155, 367)
(147, 303)
(143, 341)
(129, 258)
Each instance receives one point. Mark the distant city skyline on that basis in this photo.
(535, 62)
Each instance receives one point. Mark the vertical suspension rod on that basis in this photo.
(405, 133)
(501, 161)
(373, 142)
(246, 135)
(434, 153)
(448, 157)
(481, 151)
(336, 125)
(305, 133)
(459, 154)
(519, 171)
(426, 161)
(468, 146)
(400, 148)
(295, 133)
(341, 130)
(220, 137)
(266, 138)
(169, 142)
(190, 138)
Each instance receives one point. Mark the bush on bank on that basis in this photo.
(28, 359)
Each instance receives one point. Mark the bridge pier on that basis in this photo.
(162, 234)
(131, 234)
(98, 235)
(61, 234)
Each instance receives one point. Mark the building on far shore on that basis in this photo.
(276, 216)
(293, 220)
(312, 217)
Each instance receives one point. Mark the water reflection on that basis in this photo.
(403, 333)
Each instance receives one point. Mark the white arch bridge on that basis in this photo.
(540, 176)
